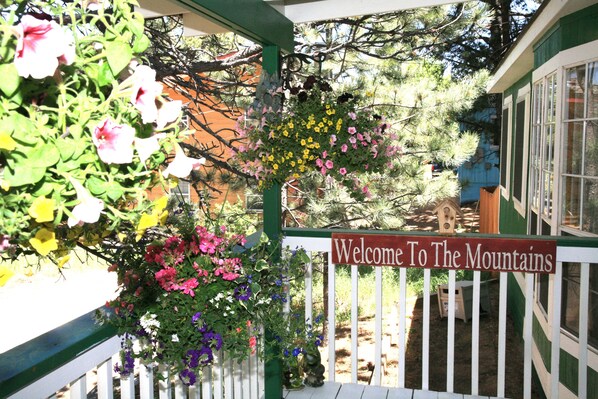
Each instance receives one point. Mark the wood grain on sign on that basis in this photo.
(451, 253)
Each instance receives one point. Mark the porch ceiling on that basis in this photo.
(300, 11)
(269, 21)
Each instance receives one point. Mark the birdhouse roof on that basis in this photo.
(450, 203)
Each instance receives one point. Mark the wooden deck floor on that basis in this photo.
(334, 390)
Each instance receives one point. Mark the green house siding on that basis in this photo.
(572, 30)
(511, 221)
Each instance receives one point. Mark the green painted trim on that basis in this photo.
(570, 31)
(253, 19)
(272, 212)
(568, 363)
(42, 355)
(542, 343)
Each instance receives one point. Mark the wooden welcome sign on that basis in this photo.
(450, 253)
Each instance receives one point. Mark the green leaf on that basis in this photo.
(114, 191)
(43, 189)
(44, 155)
(23, 129)
(105, 75)
(10, 79)
(119, 55)
(67, 149)
(261, 265)
(96, 185)
(141, 44)
(23, 175)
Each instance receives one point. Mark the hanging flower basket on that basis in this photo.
(317, 130)
(196, 293)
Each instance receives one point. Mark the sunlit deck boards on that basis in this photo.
(336, 390)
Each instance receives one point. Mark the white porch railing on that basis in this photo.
(55, 362)
(567, 251)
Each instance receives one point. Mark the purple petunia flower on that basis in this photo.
(213, 340)
(188, 377)
(296, 352)
(242, 292)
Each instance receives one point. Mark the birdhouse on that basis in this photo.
(447, 212)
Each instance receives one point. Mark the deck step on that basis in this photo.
(336, 390)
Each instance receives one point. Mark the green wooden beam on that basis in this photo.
(253, 19)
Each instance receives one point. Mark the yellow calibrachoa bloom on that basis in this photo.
(145, 222)
(44, 241)
(6, 142)
(303, 142)
(275, 166)
(5, 275)
(42, 209)
(62, 261)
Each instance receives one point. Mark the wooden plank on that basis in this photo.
(417, 394)
(448, 395)
(527, 336)
(374, 392)
(378, 329)
(475, 333)
(425, 333)
(305, 393)
(354, 322)
(328, 390)
(331, 319)
(450, 351)
(557, 281)
(502, 335)
(350, 391)
(400, 393)
(402, 325)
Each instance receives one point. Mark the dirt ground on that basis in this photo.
(487, 370)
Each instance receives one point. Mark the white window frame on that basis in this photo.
(175, 191)
(508, 105)
(523, 94)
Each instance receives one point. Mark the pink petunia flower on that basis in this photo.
(342, 171)
(168, 112)
(352, 115)
(352, 130)
(182, 165)
(114, 142)
(146, 147)
(344, 148)
(329, 164)
(324, 154)
(144, 93)
(41, 47)
(319, 163)
(89, 208)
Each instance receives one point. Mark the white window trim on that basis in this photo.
(523, 94)
(507, 104)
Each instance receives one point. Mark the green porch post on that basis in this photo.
(272, 213)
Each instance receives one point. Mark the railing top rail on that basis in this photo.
(562, 241)
(32, 360)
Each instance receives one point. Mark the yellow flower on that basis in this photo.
(317, 145)
(145, 222)
(271, 158)
(4, 185)
(300, 161)
(303, 142)
(291, 125)
(5, 275)
(327, 106)
(173, 182)
(289, 154)
(292, 164)
(275, 166)
(320, 125)
(44, 241)
(42, 209)
(317, 129)
(62, 261)
(285, 133)
(6, 142)
(302, 168)
(310, 139)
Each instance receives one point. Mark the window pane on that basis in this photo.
(547, 207)
(573, 147)
(503, 147)
(548, 147)
(571, 201)
(593, 90)
(538, 101)
(551, 106)
(590, 206)
(591, 153)
(543, 291)
(570, 298)
(575, 92)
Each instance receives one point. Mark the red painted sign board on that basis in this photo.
(449, 253)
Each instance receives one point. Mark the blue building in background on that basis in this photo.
(482, 169)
